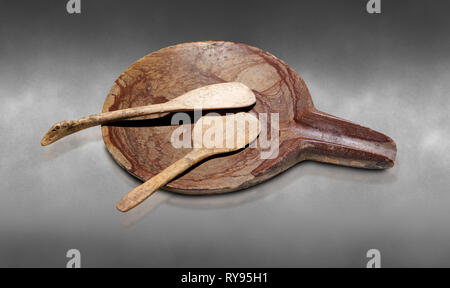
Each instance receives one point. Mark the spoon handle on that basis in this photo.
(143, 191)
(64, 128)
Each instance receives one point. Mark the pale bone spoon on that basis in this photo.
(209, 138)
(217, 96)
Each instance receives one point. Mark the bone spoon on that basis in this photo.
(217, 96)
(246, 130)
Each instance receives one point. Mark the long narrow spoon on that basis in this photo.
(217, 96)
(211, 135)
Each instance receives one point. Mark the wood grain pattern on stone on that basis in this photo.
(244, 130)
(143, 147)
(217, 96)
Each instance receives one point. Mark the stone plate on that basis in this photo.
(143, 147)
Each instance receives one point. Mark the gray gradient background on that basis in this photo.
(389, 72)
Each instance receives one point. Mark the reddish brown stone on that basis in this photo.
(143, 146)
